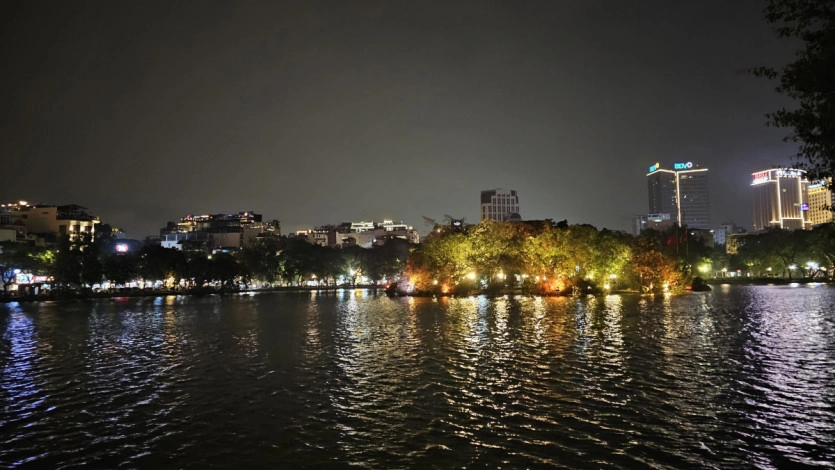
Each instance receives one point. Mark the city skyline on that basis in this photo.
(314, 113)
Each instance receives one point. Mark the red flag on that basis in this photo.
(672, 240)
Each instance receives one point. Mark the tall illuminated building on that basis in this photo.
(681, 192)
(780, 199)
(821, 201)
(499, 204)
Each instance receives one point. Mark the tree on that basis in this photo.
(224, 268)
(260, 261)
(157, 263)
(12, 258)
(822, 244)
(120, 268)
(809, 80)
(91, 267)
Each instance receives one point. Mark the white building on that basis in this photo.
(48, 220)
(499, 204)
(364, 234)
(218, 232)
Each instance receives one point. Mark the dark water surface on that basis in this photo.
(740, 377)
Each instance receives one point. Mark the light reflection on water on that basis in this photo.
(738, 377)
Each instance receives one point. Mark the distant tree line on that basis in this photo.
(276, 261)
(539, 257)
(786, 253)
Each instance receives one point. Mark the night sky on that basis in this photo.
(324, 112)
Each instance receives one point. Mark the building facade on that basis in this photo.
(218, 232)
(499, 204)
(658, 222)
(363, 234)
(49, 221)
(780, 199)
(681, 192)
(821, 202)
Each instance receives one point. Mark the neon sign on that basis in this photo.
(683, 166)
(789, 173)
(761, 177)
(654, 167)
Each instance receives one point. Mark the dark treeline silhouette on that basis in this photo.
(786, 254)
(78, 266)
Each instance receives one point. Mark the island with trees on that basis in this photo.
(493, 258)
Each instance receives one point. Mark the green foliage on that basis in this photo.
(78, 263)
(157, 263)
(809, 80)
(120, 268)
(533, 257)
(785, 253)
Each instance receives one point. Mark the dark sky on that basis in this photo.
(323, 112)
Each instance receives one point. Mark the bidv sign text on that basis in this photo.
(683, 166)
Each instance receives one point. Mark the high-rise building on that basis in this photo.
(780, 199)
(500, 204)
(821, 202)
(681, 192)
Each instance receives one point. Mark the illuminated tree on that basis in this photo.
(653, 271)
(494, 250)
(548, 258)
(438, 264)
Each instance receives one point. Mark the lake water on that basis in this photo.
(740, 377)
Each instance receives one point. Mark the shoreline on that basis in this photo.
(199, 291)
(73, 295)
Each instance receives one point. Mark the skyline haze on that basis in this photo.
(321, 112)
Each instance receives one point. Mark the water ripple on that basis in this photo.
(735, 378)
